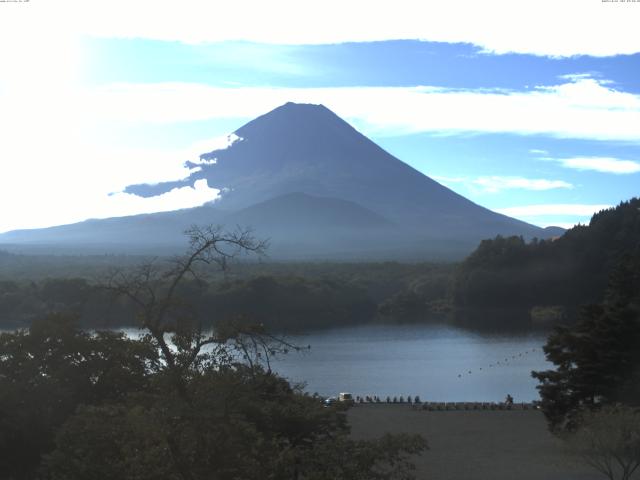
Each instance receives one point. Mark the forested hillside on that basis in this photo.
(509, 273)
(281, 296)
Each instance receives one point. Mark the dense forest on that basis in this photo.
(548, 276)
(282, 296)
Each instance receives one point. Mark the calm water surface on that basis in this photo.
(438, 363)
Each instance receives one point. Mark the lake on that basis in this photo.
(436, 362)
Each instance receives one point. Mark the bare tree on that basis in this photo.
(173, 325)
(609, 441)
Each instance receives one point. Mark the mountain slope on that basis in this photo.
(154, 232)
(307, 148)
(302, 211)
(301, 225)
(319, 188)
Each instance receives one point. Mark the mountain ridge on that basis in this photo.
(309, 151)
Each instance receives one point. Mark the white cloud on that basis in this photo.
(576, 76)
(122, 204)
(559, 209)
(584, 109)
(445, 179)
(495, 184)
(601, 164)
(565, 215)
(52, 175)
(598, 164)
(565, 225)
(543, 27)
(207, 146)
(83, 201)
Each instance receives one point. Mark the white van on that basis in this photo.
(346, 397)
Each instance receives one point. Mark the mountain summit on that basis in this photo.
(314, 184)
(307, 148)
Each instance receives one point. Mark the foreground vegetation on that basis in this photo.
(102, 406)
(597, 360)
(592, 396)
(188, 400)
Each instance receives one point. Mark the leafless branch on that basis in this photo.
(153, 290)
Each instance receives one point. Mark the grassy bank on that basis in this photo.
(475, 444)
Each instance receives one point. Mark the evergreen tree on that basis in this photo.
(568, 271)
(598, 360)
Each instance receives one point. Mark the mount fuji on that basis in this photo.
(314, 185)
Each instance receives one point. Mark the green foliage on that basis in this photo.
(569, 271)
(110, 441)
(387, 458)
(236, 424)
(425, 296)
(287, 303)
(281, 296)
(597, 360)
(47, 372)
(81, 406)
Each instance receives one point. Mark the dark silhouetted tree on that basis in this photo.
(597, 361)
(187, 400)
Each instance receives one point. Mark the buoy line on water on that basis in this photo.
(501, 362)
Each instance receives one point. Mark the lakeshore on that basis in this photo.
(437, 362)
(475, 444)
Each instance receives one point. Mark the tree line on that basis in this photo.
(517, 276)
(190, 399)
(291, 297)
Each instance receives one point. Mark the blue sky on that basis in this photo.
(393, 63)
(545, 128)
